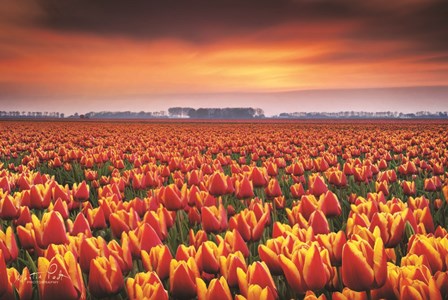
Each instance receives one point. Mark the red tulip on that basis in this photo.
(183, 278)
(105, 277)
(391, 228)
(51, 230)
(259, 177)
(308, 269)
(408, 188)
(244, 188)
(3, 275)
(143, 238)
(269, 254)
(122, 253)
(297, 190)
(8, 245)
(229, 266)
(214, 219)
(81, 192)
(256, 292)
(91, 248)
(172, 197)
(329, 204)
(81, 225)
(246, 222)
(40, 196)
(197, 239)
(218, 289)
(96, 218)
(319, 222)
(158, 260)
(295, 169)
(234, 242)
(257, 274)
(217, 184)
(317, 185)
(21, 283)
(9, 207)
(207, 257)
(333, 242)
(273, 189)
(146, 286)
(363, 266)
(66, 271)
(123, 221)
(433, 249)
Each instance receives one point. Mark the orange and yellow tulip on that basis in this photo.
(67, 274)
(158, 260)
(146, 286)
(257, 274)
(183, 276)
(214, 219)
(8, 245)
(105, 277)
(308, 269)
(364, 267)
(81, 192)
(217, 289)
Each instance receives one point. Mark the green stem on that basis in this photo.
(179, 226)
(330, 223)
(341, 286)
(369, 296)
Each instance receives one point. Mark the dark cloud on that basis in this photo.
(421, 25)
(205, 19)
(424, 25)
(436, 59)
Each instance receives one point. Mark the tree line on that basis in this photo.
(363, 115)
(223, 113)
(31, 114)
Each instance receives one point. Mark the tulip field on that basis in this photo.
(224, 210)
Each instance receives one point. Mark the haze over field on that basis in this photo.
(279, 55)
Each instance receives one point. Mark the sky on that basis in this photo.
(280, 55)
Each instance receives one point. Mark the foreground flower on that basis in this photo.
(308, 269)
(21, 283)
(334, 243)
(66, 271)
(207, 257)
(256, 292)
(91, 248)
(391, 228)
(105, 277)
(363, 267)
(183, 278)
(244, 188)
(214, 219)
(81, 192)
(146, 286)
(218, 289)
(317, 185)
(9, 207)
(3, 275)
(158, 260)
(229, 266)
(257, 274)
(249, 226)
(330, 205)
(8, 245)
